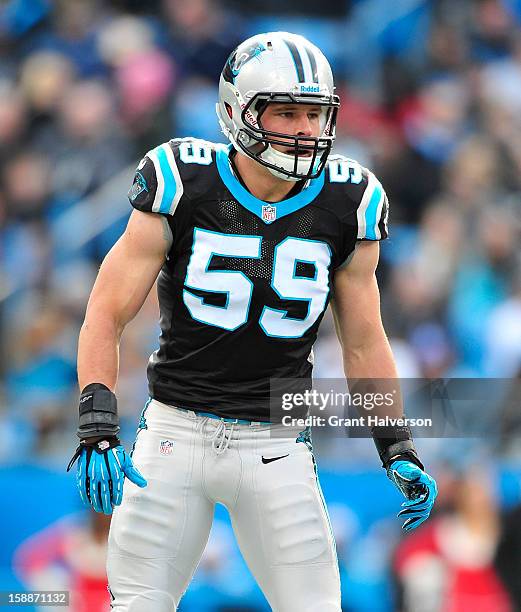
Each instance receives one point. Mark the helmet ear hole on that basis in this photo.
(229, 109)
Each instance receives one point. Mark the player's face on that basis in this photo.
(293, 119)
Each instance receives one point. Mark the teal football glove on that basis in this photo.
(102, 468)
(103, 462)
(418, 487)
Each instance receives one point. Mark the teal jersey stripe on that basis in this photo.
(169, 181)
(371, 222)
(253, 204)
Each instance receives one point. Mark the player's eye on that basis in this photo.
(313, 115)
(288, 114)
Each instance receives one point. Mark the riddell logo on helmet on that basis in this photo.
(309, 89)
(249, 116)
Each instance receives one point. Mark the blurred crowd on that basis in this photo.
(431, 102)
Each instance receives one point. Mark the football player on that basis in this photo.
(249, 243)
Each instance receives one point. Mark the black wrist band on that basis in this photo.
(394, 442)
(98, 412)
(94, 387)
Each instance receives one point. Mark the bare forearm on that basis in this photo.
(372, 358)
(98, 352)
(372, 363)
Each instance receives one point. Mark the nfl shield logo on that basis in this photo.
(166, 447)
(269, 213)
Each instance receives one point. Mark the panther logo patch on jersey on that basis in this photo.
(138, 187)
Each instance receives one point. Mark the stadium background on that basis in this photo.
(431, 101)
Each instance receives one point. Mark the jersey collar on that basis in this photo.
(266, 211)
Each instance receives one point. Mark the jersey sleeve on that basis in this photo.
(373, 211)
(360, 203)
(157, 185)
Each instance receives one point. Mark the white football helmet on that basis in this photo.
(283, 68)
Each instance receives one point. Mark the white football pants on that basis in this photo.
(191, 462)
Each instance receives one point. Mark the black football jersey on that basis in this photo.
(245, 284)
